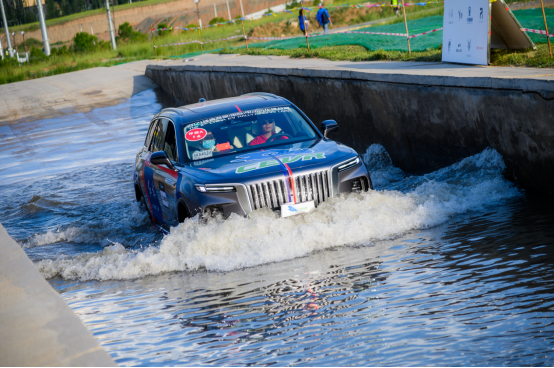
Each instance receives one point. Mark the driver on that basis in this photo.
(268, 129)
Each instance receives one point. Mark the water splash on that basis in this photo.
(417, 202)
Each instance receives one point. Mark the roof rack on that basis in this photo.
(173, 109)
(261, 94)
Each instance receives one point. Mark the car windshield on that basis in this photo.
(241, 131)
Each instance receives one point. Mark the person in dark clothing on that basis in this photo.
(323, 18)
(302, 21)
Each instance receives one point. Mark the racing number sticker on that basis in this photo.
(195, 134)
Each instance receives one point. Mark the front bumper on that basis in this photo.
(317, 184)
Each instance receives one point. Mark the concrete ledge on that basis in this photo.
(522, 79)
(37, 328)
(427, 115)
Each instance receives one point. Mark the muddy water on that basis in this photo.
(450, 268)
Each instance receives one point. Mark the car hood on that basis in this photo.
(261, 162)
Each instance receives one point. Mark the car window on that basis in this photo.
(170, 144)
(149, 134)
(244, 130)
(158, 135)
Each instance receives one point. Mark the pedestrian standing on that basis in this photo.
(395, 6)
(323, 18)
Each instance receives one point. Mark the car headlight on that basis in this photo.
(215, 189)
(348, 164)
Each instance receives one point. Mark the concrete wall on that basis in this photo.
(37, 328)
(423, 123)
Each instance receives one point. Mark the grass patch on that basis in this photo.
(539, 58)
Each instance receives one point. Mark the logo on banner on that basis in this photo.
(451, 16)
(460, 15)
(479, 48)
(480, 13)
(449, 44)
(468, 45)
(469, 17)
(459, 48)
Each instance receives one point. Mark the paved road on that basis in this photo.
(72, 92)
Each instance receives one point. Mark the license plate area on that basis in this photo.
(291, 209)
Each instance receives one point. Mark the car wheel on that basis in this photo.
(182, 212)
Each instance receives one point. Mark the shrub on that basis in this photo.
(163, 33)
(59, 51)
(36, 55)
(84, 42)
(217, 20)
(126, 33)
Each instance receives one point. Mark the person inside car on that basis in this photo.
(267, 130)
(209, 144)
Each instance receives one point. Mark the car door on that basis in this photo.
(165, 178)
(149, 173)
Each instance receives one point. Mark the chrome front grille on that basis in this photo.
(315, 186)
(270, 194)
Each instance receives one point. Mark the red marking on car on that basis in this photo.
(195, 134)
(291, 181)
(238, 108)
(168, 171)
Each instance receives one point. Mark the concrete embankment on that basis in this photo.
(37, 328)
(427, 115)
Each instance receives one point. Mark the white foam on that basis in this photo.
(222, 245)
(96, 232)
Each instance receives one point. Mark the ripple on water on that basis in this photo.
(452, 268)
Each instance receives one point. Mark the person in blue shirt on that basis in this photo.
(323, 18)
(302, 21)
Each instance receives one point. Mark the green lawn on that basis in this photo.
(539, 58)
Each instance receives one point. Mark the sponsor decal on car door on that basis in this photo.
(151, 193)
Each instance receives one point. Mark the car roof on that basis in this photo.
(202, 110)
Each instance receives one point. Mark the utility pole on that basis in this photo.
(91, 31)
(10, 50)
(112, 33)
(24, 43)
(215, 10)
(228, 10)
(1, 49)
(15, 44)
(199, 26)
(241, 9)
(242, 24)
(43, 31)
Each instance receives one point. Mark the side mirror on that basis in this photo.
(160, 158)
(329, 126)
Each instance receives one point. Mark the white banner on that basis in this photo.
(465, 37)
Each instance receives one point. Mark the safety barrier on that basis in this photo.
(537, 31)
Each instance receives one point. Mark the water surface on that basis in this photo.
(450, 268)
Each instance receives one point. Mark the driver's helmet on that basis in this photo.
(257, 126)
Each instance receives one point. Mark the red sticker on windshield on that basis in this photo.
(195, 134)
